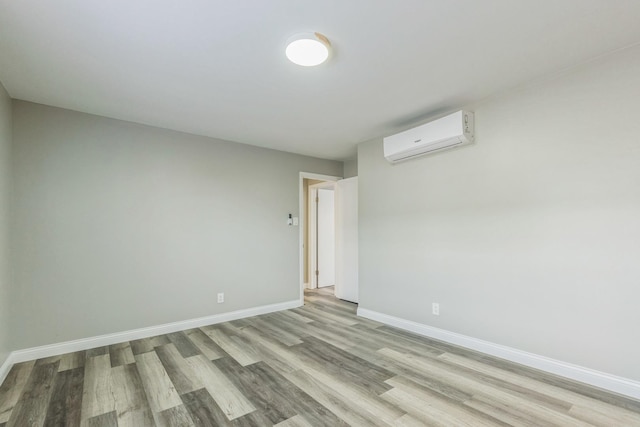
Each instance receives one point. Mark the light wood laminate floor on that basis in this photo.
(319, 365)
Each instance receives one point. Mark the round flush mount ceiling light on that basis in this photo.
(308, 49)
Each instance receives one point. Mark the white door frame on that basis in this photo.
(302, 208)
(313, 222)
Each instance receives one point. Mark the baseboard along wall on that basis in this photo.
(135, 334)
(592, 377)
(5, 367)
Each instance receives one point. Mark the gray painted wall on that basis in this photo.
(350, 168)
(121, 226)
(5, 196)
(531, 237)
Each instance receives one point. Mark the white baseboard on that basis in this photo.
(135, 334)
(592, 377)
(5, 368)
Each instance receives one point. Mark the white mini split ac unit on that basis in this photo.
(447, 132)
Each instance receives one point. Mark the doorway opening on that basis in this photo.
(317, 232)
(321, 258)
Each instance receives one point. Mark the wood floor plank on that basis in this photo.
(253, 419)
(229, 341)
(334, 400)
(132, 406)
(65, 405)
(210, 349)
(97, 396)
(282, 354)
(345, 337)
(178, 369)
(328, 359)
(160, 391)
(488, 392)
(345, 307)
(583, 407)
(121, 354)
(363, 322)
(430, 412)
(322, 316)
(347, 361)
(98, 351)
(411, 339)
(261, 395)
(204, 411)
(145, 345)
(48, 360)
(434, 404)
(272, 351)
(604, 417)
(110, 419)
(321, 331)
(12, 387)
(397, 342)
(301, 401)
(271, 325)
(397, 337)
(295, 317)
(231, 401)
(506, 412)
(295, 421)
(339, 310)
(177, 416)
(276, 397)
(297, 329)
(363, 399)
(421, 377)
(183, 344)
(408, 420)
(548, 378)
(72, 360)
(68, 360)
(531, 394)
(31, 409)
(236, 335)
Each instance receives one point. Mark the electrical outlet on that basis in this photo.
(220, 297)
(435, 309)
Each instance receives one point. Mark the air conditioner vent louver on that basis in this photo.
(447, 132)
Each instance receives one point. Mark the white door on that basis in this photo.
(325, 238)
(346, 201)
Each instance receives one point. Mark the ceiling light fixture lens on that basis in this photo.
(308, 49)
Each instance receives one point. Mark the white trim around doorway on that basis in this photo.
(302, 208)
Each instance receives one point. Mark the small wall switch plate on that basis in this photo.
(295, 220)
(220, 297)
(435, 309)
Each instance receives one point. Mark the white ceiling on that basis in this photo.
(217, 67)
